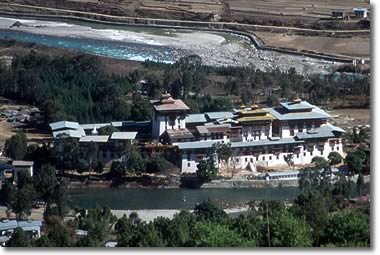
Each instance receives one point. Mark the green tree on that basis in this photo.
(335, 158)
(355, 161)
(19, 239)
(347, 229)
(209, 212)
(107, 130)
(209, 234)
(16, 146)
(320, 162)
(223, 152)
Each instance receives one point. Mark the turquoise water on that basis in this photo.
(113, 49)
(122, 199)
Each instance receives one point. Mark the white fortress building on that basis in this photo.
(258, 136)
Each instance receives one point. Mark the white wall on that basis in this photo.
(162, 123)
(269, 160)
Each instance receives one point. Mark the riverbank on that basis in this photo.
(166, 45)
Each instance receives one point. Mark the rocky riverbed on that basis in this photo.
(166, 45)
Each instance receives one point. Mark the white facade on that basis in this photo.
(304, 157)
(250, 133)
(163, 122)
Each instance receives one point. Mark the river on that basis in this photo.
(123, 199)
(156, 44)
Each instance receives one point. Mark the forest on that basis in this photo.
(77, 88)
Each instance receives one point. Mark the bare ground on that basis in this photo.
(353, 46)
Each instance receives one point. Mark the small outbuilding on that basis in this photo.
(360, 12)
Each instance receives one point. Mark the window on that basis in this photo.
(188, 164)
(292, 132)
(246, 159)
(251, 160)
(263, 157)
(270, 157)
(278, 156)
(298, 155)
(237, 160)
(188, 156)
(321, 152)
(304, 154)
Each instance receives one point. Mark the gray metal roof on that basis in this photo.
(22, 163)
(64, 124)
(94, 138)
(196, 145)
(196, 118)
(294, 106)
(97, 125)
(219, 115)
(326, 131)
(315, 113)
(131, 123)
(265, 142)
(208, 144)
(123, 135)
(78, 133)
(8, 224)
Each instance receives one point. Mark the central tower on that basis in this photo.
(168, 113)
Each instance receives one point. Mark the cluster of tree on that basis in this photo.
(133, 162)
(253, 85)
(44, 187)
(71, 88)
(266, 224)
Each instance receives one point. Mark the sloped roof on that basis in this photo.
(196, 118)
(123, 135)
(208, 144)
(167, 103)
(219, 115)
(97, 125)
(94, 138)
(326, 131)
(22, 163)
(64, 124)
(78, 133)
(297, 105)
(282, 114)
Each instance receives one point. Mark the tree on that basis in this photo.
(206, 170)
(209, 212)
(320, 162)
(45, 180)
(22, 199)
(289, 231)
(209, 234)
(99, 168)
(107, 130)
(19, 239)
(66, 152)
(16, 146)
(355, 161)
(347, 228)
(59, 234)
(289, 159)
(272, 100)
(223, 152)
(334, 158)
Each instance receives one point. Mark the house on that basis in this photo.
(26, 166)
(360, 12)
(338, 14)
(168, 113)
(7, 228)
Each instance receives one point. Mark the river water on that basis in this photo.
(112, 49)
(134, 199)
(156, 44)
